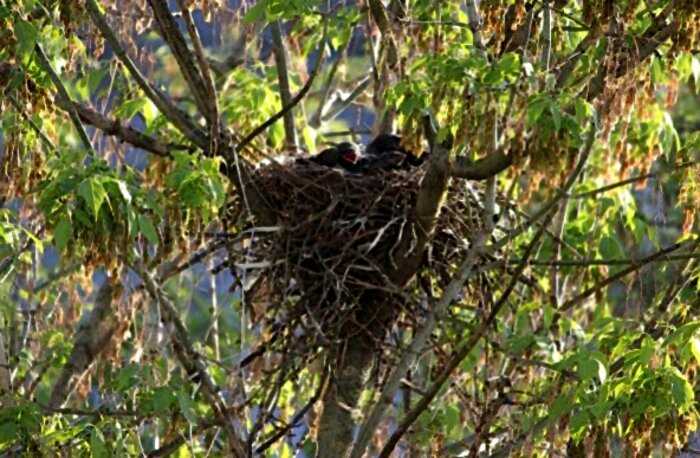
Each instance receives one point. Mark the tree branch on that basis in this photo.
(42, 136)
(281, 62)
(298, 416)
(481, 169)
(172, 36)
(212, 105)
(634, 179)
(116, 128)
(634, 266)
(602, 262)
(431, 196)
(464, 273)
(316, 118)
(193, 362)
(297, 98)
(63, 95)
(90, 340)
(341, 104)
(178, 117)
(474, 337)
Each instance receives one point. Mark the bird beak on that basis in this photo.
(350, 157)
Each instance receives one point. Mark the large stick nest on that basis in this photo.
(310, 278)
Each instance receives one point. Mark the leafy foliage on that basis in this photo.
(596, 347)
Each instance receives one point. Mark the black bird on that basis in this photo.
(344, 155)
(385, 152)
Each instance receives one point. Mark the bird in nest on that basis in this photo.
(344, 155)
(385, 152)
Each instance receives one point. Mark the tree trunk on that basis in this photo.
(340, 398)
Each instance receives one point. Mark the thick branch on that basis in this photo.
(185, 60)
(91, 339)
(481, 169)
(115, 127)
(281, 62)
(431, 195)
(430, 198)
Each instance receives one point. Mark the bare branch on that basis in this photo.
(193, 362)
(481, 169)
(341, 104)
(213, 106)
(297, 98)
(178, 117)
(462, 352)
(603, 262)
(114, 127)
(47, 142)
(316, 118)
(547, 36)
(634, 179)
(171, 34)
(661, 254)
(90, 340)
(281, 62)
(298, 416)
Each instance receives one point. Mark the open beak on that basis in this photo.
(350, 156)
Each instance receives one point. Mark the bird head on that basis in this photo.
(384, 143)
(348, 152)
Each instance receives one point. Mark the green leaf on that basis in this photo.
(98, 447)
(695, 348)
(62, 233)
(26, 38)
(561, 405)
(535, 108)
(147, 228)
(584, 110)
(187, 407)
(681, 389)
(8, 433)
(579, 420)
(257, 13)
(163, 399)
(93, 194)
(611, 248)
(117, 186)
(452, 421)
(130, 108)
(590, 368)
(556, 116)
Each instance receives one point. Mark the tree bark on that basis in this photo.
(91, 339)
(341, 396)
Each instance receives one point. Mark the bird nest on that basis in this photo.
(322, 273)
